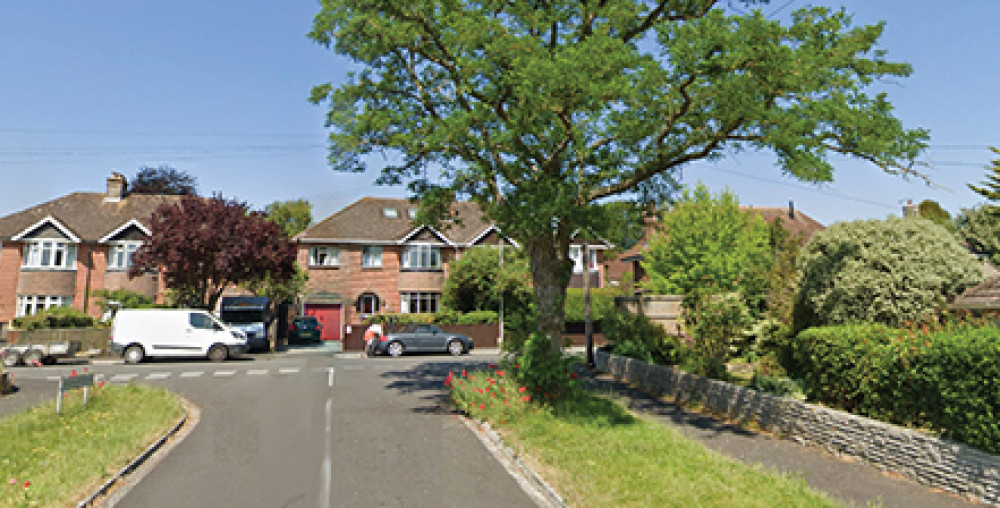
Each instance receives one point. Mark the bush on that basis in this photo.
(445, 317)
(720, 324)
(946, 380)
(57, 317)
(883, 271)
(602, 303)
(541, 370)
(635, 336)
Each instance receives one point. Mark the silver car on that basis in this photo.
(422, 338)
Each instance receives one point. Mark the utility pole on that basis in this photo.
(588, 325)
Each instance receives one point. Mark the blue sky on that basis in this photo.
(218, 89)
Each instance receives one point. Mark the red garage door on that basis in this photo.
(329, 317)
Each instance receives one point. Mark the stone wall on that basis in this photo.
(918, 456)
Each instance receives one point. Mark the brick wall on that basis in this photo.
(916, 455)
(350, 280)
(10, 271)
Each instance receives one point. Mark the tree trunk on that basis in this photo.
(550, 276)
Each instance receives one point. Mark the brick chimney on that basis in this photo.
(117, 187)
(910, 209)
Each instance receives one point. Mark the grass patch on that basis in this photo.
(596, 454)
(55, 460)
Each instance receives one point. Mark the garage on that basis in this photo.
(329, 316)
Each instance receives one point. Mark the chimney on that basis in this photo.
(117, 187)
(910, 209)
(791, 209)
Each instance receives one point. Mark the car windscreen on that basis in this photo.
(243, 316)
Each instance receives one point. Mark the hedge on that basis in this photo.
(446, 317)
(947, 381)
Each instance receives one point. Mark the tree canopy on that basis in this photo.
(293, 217)
(163, 180)
(538, 111)
(980, 228)
(202, 245)
(990, 188)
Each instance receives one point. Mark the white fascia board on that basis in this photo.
(47, 220)
(411, 234)
(132, 223)
(343, 241)
(606, 244)
(486, 232)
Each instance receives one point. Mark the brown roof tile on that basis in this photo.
(86, 214)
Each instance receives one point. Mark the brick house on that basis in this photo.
(59, 252)
(371, 258)
(795, 222)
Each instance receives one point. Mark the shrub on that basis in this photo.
(946, 380)
(635, 336)
(602, 303)
(720, 324)
(541, 370)
(445, 317)
(57, 317)
(883, 271)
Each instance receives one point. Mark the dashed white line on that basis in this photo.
(52, 378)
(155, 376)
(191, 374)
(327, 469)
(224, 373)
(123, 377)
(289, 371)
(257, 372)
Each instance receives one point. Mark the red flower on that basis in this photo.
(574, 375)
(27, 484)
(85, 369)
(526, 398)
(493, 365)
(522, 389)
(100, 385)
(463, 373)
(482, 406)
(500, 373)
(72, 373)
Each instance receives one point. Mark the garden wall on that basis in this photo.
(921, 457)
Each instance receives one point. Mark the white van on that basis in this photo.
(138, 334)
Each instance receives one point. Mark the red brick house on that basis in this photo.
(59, 252)
(371, 258)
(795, 222)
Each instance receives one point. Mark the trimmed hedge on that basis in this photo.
(947, 380)
(602, 303)
(56, 317)
(446, 317)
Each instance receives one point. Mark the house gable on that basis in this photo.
(131, 231)
(47, 228)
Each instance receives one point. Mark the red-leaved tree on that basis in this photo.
(205, 244)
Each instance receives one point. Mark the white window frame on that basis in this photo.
(120, 254)
(427, 256)
(419, 302)
(575, 253)
(411, 213)
(376, 304)
(324, 255)
(43, 254)
(390, 213)
(32, 304)
(371, 256)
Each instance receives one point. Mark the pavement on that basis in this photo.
(853, 483)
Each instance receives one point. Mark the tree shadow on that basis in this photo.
(426, 380)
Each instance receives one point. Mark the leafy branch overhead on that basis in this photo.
(539, 110)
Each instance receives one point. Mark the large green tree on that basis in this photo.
(539, 110)
(293, 216)
(990, 187)
(980, 228)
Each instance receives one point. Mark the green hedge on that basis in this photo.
(57, 317)
(946, 380)
(602, 303)
(446, 317)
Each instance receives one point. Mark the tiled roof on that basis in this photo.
(984, 296)
(365, 221)
(86, 214)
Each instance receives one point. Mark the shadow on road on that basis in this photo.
(426, 381)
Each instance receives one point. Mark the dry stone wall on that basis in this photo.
(921, 457)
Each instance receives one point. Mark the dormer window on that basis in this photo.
(49, 255)
(390, 213)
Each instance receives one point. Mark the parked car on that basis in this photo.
(138, 334)
(305, 329)
(422, 338)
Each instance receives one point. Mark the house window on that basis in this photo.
(324, 256)
(412, 213)
(33, 304)
(49, 254)
(120, 255)
(422, 257)
(575, 254)
(415, 303)
(390, 213)
(371, 256)
(368, 304)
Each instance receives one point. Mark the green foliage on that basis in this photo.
(163, 180)
(56, 317)
(883, 271)
(602, 303)
(931, 210)
(720, 324)
(445, 317)
(542, 369)
(477, 281)
(635, 336)
(946, 380)
(123, 298)
(980, 228)
(293, 217)
(278, 290)
(540, 112)
(708, 244)
(781, 277)
(990, 188)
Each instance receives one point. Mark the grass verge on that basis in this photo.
(596, 454)
(55, 460)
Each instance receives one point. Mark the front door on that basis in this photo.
(328, 316)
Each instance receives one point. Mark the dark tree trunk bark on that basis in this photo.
(550, 275)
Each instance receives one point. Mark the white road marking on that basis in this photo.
(289, 371)
(224, 373)
(191, 374)
(158, 375)
(330, 380)
(123, 377)
(327, 470)
(257, 372)
(53, 378)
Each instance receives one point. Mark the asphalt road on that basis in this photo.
(314, 431)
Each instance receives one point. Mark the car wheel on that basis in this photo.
(456, 348)
(134, 354)
(218, 353)
(395, 349)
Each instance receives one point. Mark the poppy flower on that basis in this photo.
(522, 389)
(27, 484)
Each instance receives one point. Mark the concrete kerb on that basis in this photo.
(533, 485)
(145, 462)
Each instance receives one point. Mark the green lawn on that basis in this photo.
(596, 454)
(56, 460)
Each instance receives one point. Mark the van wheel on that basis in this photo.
(134, 354)
(218, 353)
